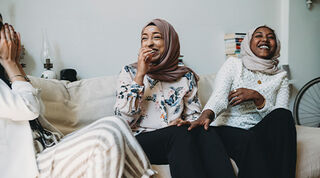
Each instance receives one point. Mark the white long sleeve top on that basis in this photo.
(155, 104)
(233, 75)
(17, 106)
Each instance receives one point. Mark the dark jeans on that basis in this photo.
(268, 150)
(190, 154)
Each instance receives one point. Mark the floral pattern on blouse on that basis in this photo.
(155, 104)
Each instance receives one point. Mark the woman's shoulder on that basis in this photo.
(282, 74)
(130, 68)
(190, 80)
(189, 75)
(232, 64)
(234, 61)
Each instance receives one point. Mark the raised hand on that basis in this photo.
(145, 55)
(10, 48)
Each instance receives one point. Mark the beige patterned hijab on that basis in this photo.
(168, 70)
(254, 63)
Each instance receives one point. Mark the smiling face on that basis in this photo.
(151, 38)
(263, 43)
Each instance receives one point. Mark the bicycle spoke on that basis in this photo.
(314, 114)
(307, 100)
(307, 93)
(307, 117)
(309, 105)
(309, 113)
(309, 108)
(312, 98)
(317, 85)
(311, 122)
(310, 118)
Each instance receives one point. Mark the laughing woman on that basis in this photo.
(249, 104)
(154, 95)
(105, 148)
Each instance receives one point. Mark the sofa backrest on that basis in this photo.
(72, 105)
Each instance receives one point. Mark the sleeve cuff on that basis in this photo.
(265, 110)
(193, 117)
(207, 106)
(136, 85)
(136, 89)
(215, 114)
(22, 86)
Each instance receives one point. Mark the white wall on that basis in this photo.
(98, 37)
(304, 43)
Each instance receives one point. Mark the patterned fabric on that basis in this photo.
(44, 134)
(157, 103)
(105, 148)
(233, 75)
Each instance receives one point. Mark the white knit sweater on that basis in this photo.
(233, 75)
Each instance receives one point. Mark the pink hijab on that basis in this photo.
(168, 70)
(254, 63)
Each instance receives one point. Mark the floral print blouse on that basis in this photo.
(157, 103)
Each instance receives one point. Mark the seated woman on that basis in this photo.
(106, 148)
(153, 94)
(249, 104)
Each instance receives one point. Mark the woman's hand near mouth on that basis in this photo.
(145, 55)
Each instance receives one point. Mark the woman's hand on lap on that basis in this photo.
(179, 122)
(204, 120)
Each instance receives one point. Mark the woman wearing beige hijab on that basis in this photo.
(249, 109)
(155, 95)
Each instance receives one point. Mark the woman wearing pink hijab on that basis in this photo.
(249, 108)
(155, 95)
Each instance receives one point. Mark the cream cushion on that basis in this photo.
(308, 156)
(72, 105)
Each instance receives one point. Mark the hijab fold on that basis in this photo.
(254, 63)
(168, 70)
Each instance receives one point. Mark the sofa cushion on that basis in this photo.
(72, 105)
(308, 152)
(205, 87)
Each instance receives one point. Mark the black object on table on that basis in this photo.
(68, 74)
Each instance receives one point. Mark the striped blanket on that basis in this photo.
(105, 148)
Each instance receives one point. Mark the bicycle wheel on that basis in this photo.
(306, 107)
